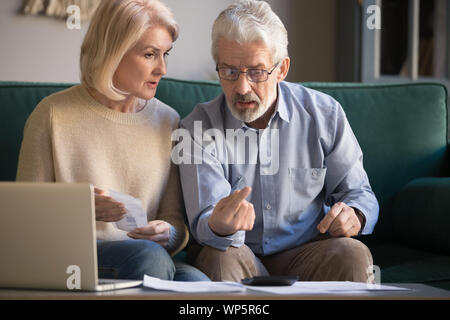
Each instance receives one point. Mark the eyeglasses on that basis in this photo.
(253, 75)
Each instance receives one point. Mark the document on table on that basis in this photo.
(300, 287)
(135, 217)
(192, 286)
(325, 287)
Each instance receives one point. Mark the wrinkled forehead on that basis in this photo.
(244, 54)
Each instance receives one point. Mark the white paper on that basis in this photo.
(135, 216)
(192, 286)
(325, 287)
(300, 287)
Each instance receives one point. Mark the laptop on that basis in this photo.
(47, 238)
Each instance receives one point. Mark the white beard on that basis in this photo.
(248, 115)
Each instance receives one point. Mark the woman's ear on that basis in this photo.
(284, 69)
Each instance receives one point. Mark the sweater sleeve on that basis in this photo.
(171, 211)
(35, 158)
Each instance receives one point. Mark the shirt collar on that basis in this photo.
(282, 108)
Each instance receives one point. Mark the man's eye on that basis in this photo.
(231, 71)
(149, 55)
(256, 72)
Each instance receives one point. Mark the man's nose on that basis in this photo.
(242, 84)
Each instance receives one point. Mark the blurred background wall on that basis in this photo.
(40, 48)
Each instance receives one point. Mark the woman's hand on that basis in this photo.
(156, 230)
(106, 208)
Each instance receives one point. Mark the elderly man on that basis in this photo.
(294, 204)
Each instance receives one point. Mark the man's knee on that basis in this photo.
(233, 264)
(352, 250)
(351, 259)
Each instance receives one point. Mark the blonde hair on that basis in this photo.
(115, 28)
(249, 21)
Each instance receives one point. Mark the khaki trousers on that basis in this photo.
(322, 259)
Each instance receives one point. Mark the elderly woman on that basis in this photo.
(112, 132)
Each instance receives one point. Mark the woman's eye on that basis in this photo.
(149, 55)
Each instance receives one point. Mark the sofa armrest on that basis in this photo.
(421, 214)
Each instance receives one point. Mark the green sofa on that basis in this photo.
(402, 130)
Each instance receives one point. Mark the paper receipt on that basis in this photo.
(135, 217)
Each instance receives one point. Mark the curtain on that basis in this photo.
(58, 8)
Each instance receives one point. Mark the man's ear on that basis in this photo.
(284, 69)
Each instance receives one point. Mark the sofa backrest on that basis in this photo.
(402, 128)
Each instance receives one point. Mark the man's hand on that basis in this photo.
(341, 221)
(156, 230)
(106, 208)
(233, 213)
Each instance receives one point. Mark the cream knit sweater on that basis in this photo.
(70, 137)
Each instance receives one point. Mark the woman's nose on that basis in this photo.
(161, 66)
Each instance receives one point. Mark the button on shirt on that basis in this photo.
(305, 161)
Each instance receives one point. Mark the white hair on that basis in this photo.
(249, 21)
(116, 27)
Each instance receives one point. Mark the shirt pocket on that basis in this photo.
(305, 184)
(238, 183)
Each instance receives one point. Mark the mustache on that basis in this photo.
(248, 97)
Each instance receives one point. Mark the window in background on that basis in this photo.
(412, 44)
(394, 37)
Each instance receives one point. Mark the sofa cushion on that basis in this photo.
(421, 214)
(426, 270)
(402, 264)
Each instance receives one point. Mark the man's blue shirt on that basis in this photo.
(306, 160)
